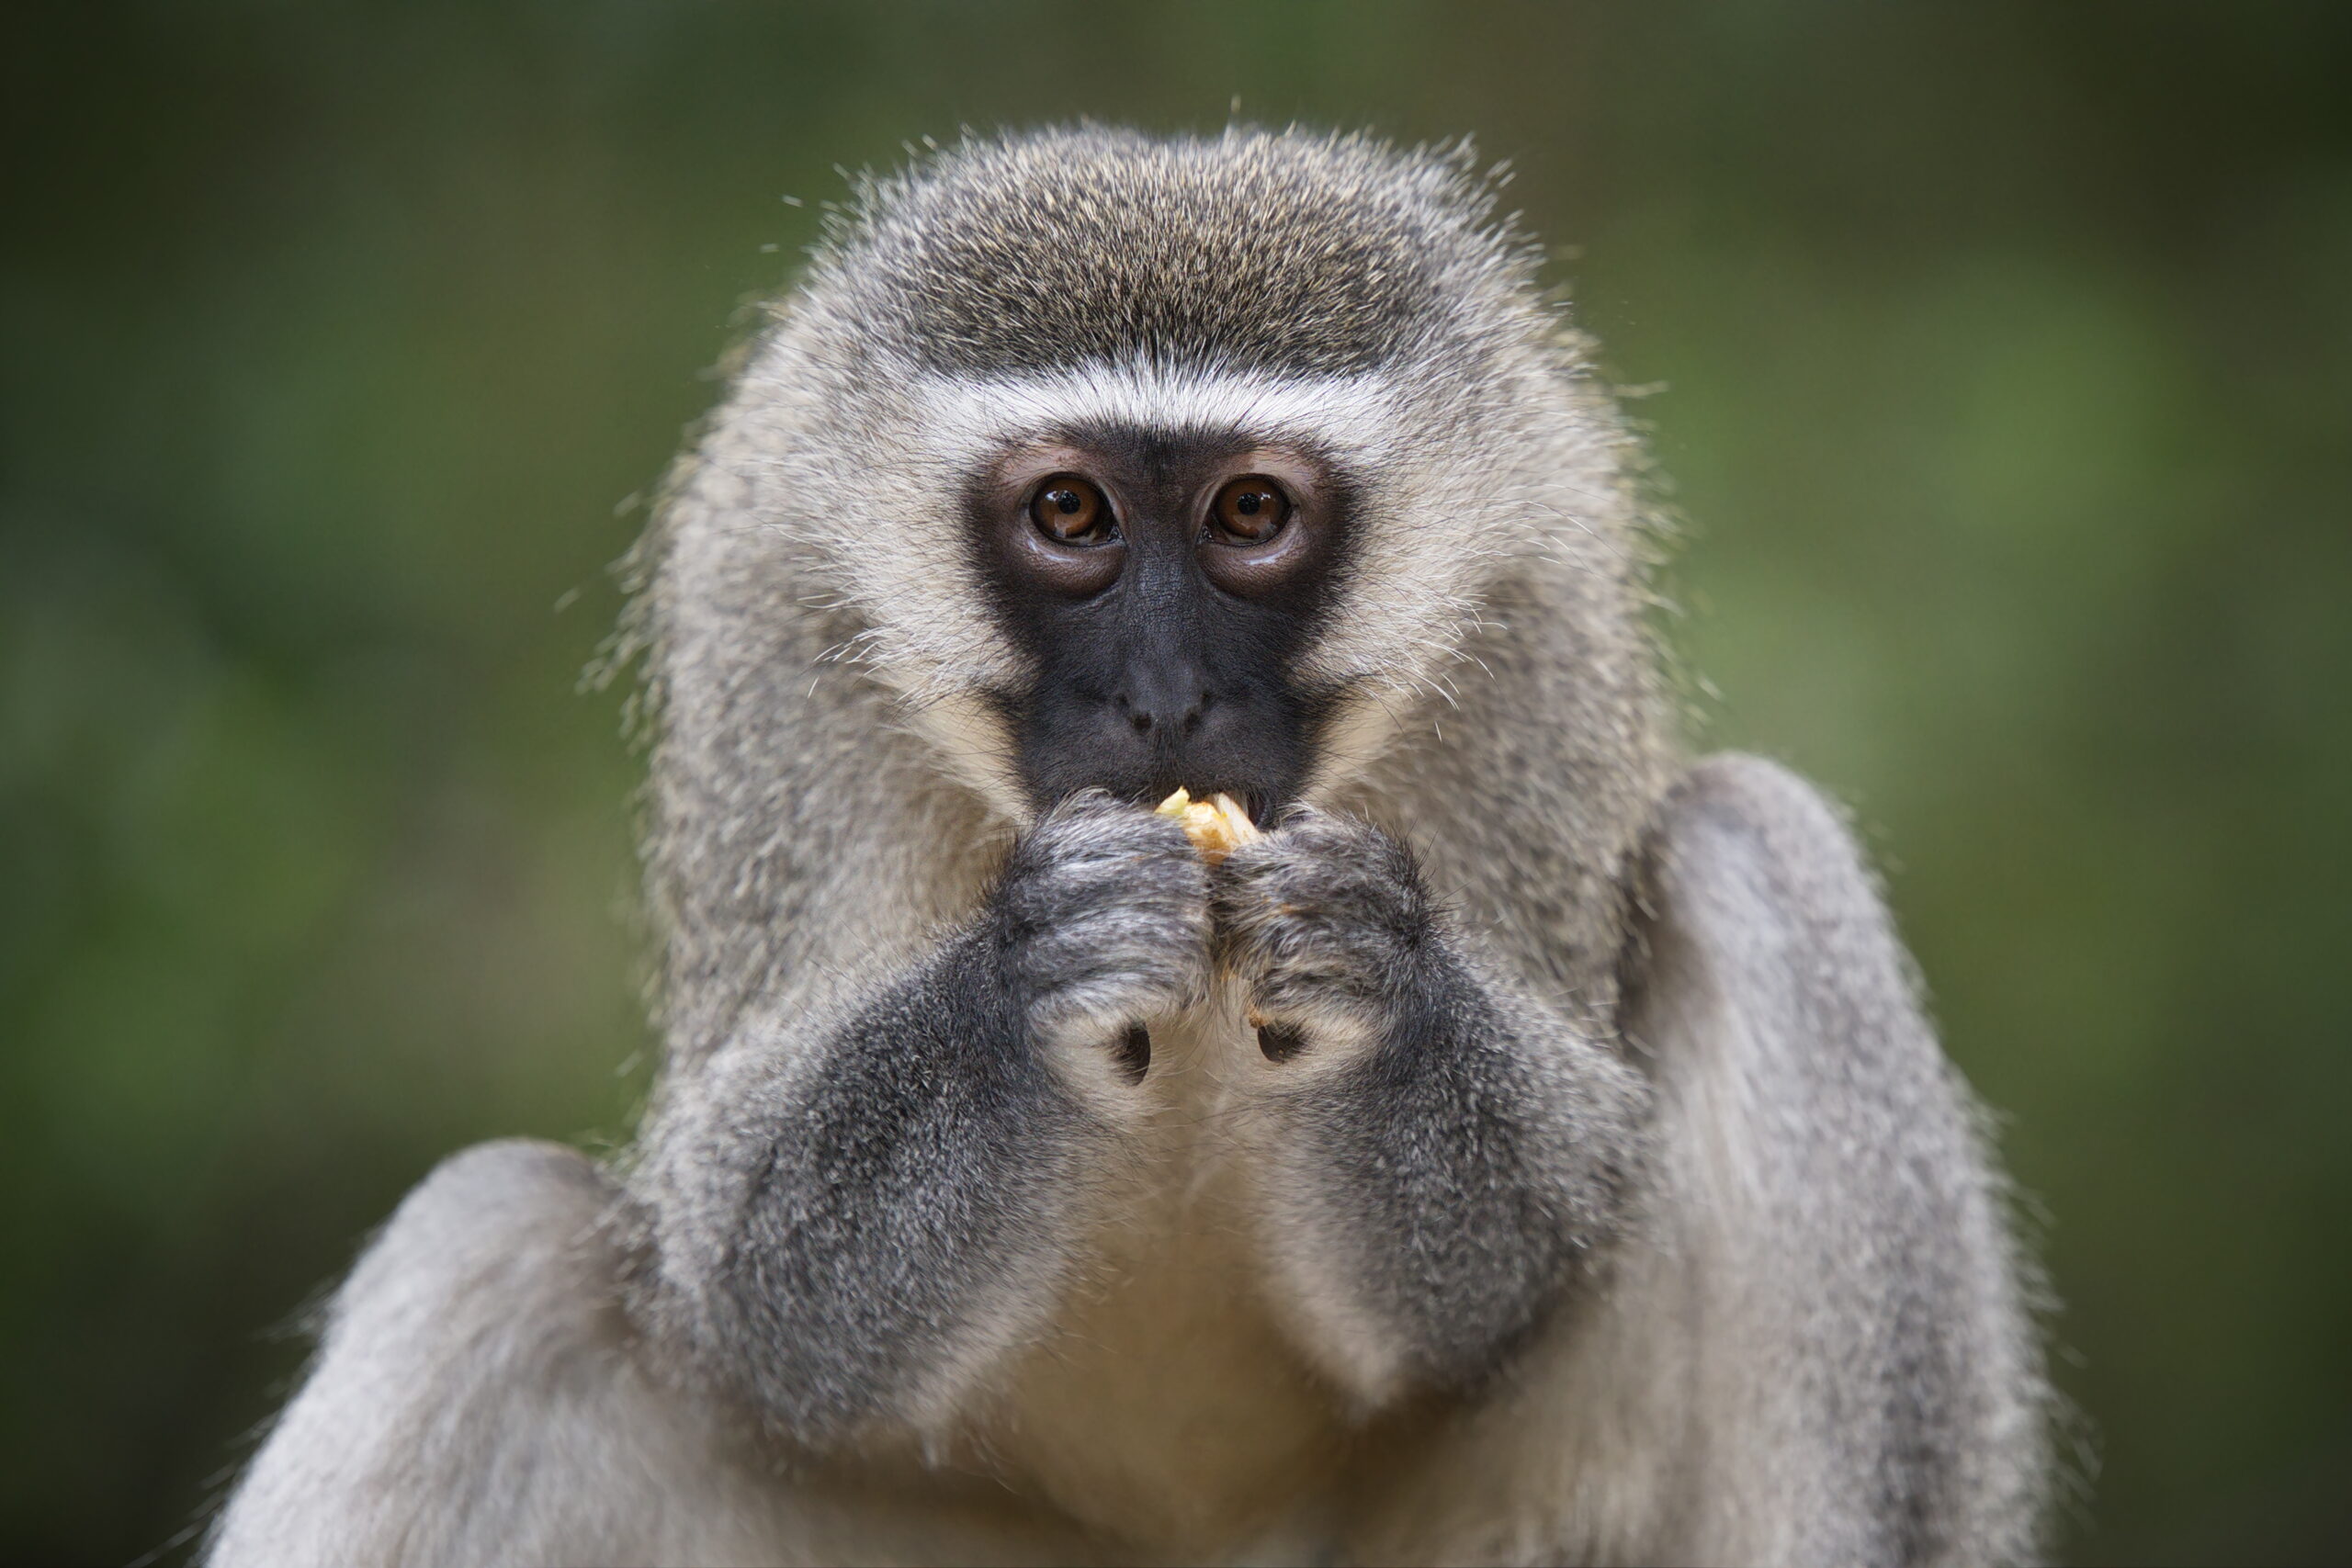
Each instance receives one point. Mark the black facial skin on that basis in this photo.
(1166, 650)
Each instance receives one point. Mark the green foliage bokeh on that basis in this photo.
(1999, 356)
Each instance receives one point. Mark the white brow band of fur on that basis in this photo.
(1348, 415)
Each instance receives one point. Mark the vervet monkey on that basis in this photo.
(1528, 1149)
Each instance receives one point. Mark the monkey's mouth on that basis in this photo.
(1261, 801)
(1261, 760)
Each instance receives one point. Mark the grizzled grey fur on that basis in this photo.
(1538, 1155)
(1479, 1144)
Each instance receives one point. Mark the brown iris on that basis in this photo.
(1071, 510)
(1249, 511)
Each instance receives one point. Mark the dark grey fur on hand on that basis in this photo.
(843, 1241)
(1468, 1145)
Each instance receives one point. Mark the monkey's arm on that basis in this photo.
(1812, 1347)
(850, 1224)
(531, 1366)
(477, 1399)
(1440, 1146)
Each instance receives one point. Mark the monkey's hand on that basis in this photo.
(1447, 1144)
(1103, 921)
(852, 1215)
(1325, 921)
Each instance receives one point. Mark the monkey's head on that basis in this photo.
(1138, 463)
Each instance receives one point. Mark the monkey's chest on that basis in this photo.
(1165, 1404)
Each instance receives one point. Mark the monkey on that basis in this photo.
(1528, 1147)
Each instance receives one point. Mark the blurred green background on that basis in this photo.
(1999, 356)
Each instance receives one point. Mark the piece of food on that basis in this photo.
(1216, 826)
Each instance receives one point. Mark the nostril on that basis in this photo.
(1151, 714)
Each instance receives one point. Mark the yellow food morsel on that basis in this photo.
(1216, 826)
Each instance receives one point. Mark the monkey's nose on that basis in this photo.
(1170, 712)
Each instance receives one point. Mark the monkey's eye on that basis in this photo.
(1249, 511)
(1071, 510)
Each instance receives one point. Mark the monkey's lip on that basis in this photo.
(1262, 794)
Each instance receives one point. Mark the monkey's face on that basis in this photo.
(1135, 577)
(1146, 464)
(1164, 589)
